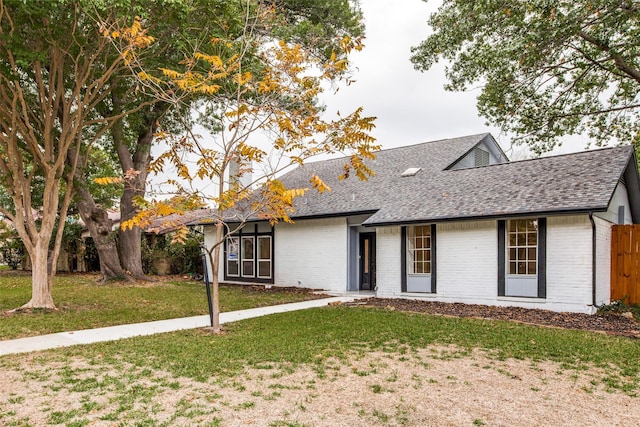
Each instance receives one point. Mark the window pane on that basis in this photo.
(247, 248)
(247, 262)
(418, 268)
(232, 248)
(512, 268)
(419, 249)
(522, 268)
(264, 269)
(232, 268)
(521, 246)
(247, 268)
(264, 248)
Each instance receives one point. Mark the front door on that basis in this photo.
(367, 261)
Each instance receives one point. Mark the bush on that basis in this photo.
(620, 306)
(183, 258)
(12, 253)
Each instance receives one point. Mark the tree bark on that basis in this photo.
(136, 158)
(129, 240)
(100, 228)
(99, 224)
(41, 277)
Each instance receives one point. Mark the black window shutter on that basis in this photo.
(542, 257)
(433, 258)
(403, 259)
(501, 257)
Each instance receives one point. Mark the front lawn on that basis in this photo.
(83, 304)
(336, 365)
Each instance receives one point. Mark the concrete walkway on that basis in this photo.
(113, 333)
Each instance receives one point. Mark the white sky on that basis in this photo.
(411, 106)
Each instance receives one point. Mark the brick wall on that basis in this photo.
(312, 254)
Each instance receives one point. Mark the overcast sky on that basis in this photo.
(411, 106)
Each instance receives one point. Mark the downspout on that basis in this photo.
(593, 261)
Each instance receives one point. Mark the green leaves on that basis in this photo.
(547, 68)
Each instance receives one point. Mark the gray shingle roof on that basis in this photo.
(577, 182)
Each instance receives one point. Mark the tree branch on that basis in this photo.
(620, 62)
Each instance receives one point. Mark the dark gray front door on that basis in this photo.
(367, 261)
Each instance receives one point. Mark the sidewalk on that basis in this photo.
(113, 333)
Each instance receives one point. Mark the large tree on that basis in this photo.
(180, 28)
(259, 98)
(546, 68)
(53, 74)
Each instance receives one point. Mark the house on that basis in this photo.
(454, 221)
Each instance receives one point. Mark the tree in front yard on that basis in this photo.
(54, 68)
(259, 98)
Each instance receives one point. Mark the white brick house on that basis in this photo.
(453, 221)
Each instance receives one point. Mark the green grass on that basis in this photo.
(135, 372)
(83, 304)
(312, 336)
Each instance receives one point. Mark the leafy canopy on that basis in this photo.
(547, 68)
(249, 87)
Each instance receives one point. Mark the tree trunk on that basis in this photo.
(214, 260)
(98, 223)
(129, 240)
(41, 277)
(100, 228)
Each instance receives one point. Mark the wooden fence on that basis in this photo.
(625, 263)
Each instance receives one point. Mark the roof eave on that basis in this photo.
(555, 212)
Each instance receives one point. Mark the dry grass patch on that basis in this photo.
(438, 385)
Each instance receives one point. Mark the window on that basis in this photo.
(248, 261)
(264, 257)
(233, 245)
(522, 257)
(249, 254)
(418, 258)
(419, 249)
(522, 246)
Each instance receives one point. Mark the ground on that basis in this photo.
(436, 386)
(400, 386)
(610, 323)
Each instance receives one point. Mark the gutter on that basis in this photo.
(593, 261)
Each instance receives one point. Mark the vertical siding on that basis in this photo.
(388, 266)
(467, 262)
(312, 254)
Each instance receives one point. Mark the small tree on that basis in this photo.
(257, 89)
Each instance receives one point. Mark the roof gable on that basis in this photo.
(488, 146)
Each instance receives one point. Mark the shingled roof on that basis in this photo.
(580, 182)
